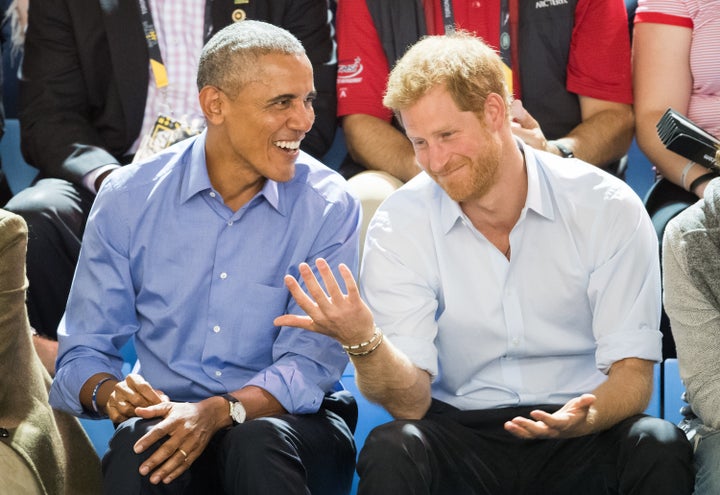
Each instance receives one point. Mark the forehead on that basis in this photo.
(281, 73)
(434, 110)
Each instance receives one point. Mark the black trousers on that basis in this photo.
(288, 454)
(452, 452)
(55, 211)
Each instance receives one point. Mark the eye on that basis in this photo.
(310, 100)
(283, 102)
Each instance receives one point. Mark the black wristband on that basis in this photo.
(703, 178)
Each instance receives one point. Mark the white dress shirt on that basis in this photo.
(580, 292)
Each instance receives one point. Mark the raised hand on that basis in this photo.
(344, 317)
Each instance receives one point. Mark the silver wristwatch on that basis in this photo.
(237, 410)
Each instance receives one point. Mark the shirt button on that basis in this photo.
(218, 373)
(212, 194)
(216, 329)
(223, 275)
(515, 341)
(230, 223)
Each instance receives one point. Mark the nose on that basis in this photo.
(302, 117)
(434, 158)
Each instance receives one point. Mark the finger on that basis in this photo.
(351, 286)
(143, 393)
(532, 429)
(153, 411)
(313, 285)
(517, 430)
(181, 468)
(301, 298)
(156, 434)
(304, 322)
(167, 469)
(328, 278)
(117, 407)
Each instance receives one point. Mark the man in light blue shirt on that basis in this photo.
(515, 301)
(185, 253)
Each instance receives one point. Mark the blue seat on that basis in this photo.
(19, 173)
(673, 390)
(655, 406)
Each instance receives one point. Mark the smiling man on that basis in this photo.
(185, 253)
(513, 302)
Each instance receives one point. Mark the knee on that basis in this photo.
(660, 440)
(259, 439)
(126, 435)
(393, 443)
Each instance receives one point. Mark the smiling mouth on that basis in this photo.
(450, 171)
(288, 146)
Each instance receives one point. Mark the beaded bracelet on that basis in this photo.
(372, 349)
(95, 392)
(703, 178)
(376, 334)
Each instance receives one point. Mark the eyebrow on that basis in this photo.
(290, 96)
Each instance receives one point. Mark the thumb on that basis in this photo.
(154, 411)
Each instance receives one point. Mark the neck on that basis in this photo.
(496, 213)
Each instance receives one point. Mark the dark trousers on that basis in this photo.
(288, 454)
(55, 211)
(451, 452)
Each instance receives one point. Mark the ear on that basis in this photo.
(495, 111)
(211, 103)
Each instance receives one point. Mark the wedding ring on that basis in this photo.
(183, 453)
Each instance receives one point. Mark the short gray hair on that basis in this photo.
(230, 57)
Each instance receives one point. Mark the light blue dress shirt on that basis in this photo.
(580, 292)
(197, 285)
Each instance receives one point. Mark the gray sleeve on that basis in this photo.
(695, 327)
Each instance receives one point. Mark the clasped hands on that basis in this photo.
(185, 430)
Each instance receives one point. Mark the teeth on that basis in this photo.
(291, 145)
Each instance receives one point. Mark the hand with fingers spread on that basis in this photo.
(571, 420)
(344, 317)
(129, 394)
(185, 431)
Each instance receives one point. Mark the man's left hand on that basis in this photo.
(185, 432)
(569, 421)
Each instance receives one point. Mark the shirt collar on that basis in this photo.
(196, 179)
(539, 198)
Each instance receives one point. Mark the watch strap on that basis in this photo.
(564, 150)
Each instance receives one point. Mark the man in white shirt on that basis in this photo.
(518, 295)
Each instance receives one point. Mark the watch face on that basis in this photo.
(237, 412)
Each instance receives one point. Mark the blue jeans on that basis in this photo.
(706, 444)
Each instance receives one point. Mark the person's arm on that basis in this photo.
(603, 136)
(694, 321)
(377, 145)
(384, 374)
(662, 53)
(55, 111)
(626, 392)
